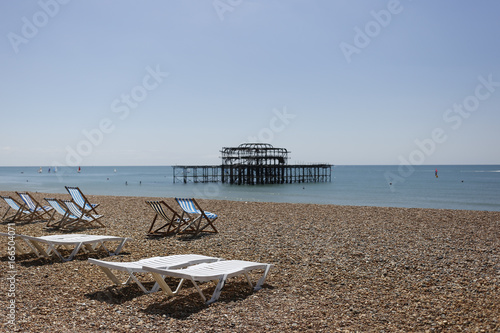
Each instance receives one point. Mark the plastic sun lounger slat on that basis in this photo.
(166, 262)
(220, 271)
(48, 245)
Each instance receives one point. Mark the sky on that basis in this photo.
(166, 82)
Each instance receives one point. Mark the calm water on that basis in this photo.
(475, 187)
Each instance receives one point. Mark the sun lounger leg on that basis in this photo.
(101, 244)
(199, 290)
(218, 289)
(119, 248)
(89, 248)
(248, 279)
(75, 251)
(110, 275)
(52, 249)
(33, 248)
(156, 286)
(19, 249)
(262, 279)
(40, 251)
(133, 277)
(163, 285)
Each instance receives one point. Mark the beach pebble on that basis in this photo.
(336, 269)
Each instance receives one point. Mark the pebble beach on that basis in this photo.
(336, 269)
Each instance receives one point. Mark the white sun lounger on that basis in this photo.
(46, 246)
(167, 262)
(218, 271)
(14, 240)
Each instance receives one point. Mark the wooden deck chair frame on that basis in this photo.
(83, 219)
(60, 208)
(39, 212)
(173, 220)
(81, 200)
(217, 271)
(196, 215)
(134, 267)
(21, 214)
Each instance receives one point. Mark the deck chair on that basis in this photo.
(80, 199)
(217, 271)
(48, 246)
(20, 214)
(199, 220)
(134, 267)
(38, 212)
(83, 219)
(61, 209)
(173, 220)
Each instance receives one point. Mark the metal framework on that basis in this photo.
(252, 164)
(254, 154)
(197, 173)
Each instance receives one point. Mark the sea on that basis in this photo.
(470, 187)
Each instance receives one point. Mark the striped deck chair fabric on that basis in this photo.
(173, 220)
(38, 211)
(20, 214)
(83, 219)
(59, 208)
(199, 220)
(80, 199)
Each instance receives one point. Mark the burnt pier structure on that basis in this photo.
(253, 164)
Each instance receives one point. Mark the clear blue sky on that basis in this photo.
(172, 82)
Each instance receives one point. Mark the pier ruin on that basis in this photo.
(253, 164)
